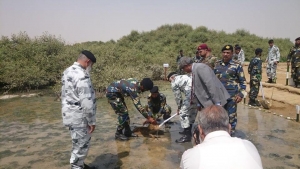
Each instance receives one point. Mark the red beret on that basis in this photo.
(202, 46)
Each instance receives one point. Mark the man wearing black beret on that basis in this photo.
(294, 58)
(79, 106)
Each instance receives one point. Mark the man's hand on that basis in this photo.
(275, 62)
(150, 120)
(238, 99)
(91, 128)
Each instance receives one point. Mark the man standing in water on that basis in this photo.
(79, 107)
(115, 93)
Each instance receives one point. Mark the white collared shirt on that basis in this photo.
(220, 151)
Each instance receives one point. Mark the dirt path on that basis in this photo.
(285, 98)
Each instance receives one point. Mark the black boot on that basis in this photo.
(252, 102)
(182, 132)
(269, 80)
(257, 103)
(128, 132)
(119, 135)
(187, 136)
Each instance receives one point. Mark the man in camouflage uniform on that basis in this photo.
(79, 107)
(272, 61)
(294, 58)
(115, 94)
(197, 58)
(157, 105)
(231, 74)
(206, 57)
(254, 70)
(179, 71)
(187, 109)
(239, 54)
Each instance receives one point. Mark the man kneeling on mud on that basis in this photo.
(157, 105)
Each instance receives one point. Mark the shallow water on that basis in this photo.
(32, 136)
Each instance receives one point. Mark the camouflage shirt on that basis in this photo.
(240, 57)
(78, 97)
(273, 55)
(255, 67)
(131, 88)
(210, 61)
(156, 105)
(294, 56)
(231, 75)
(182, 83)
(197, 59)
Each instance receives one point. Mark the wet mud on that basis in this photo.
(33, 137)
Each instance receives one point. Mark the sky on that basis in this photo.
(78, 21)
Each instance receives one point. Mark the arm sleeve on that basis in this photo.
(177, 94)
(277, 54)
(136, 101)
(241, 80)
(87, 100)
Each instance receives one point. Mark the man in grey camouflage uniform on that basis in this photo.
(239, 55)
(272, 61)
(79, 107)
(187, 109)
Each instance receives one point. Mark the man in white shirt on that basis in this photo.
(217, 149)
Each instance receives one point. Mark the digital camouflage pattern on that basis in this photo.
(294, 58)
(78, 97)
(158, 106)
(197, 59)
(232, 76)
(210, 61)
(115, 94)
(273, 56)
(240, 57)
(255, 70)
(187, 109)
(78, 110)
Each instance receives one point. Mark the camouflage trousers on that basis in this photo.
(296, 74)
(271, 70)
(165, 112)
(254, 88)
(231, 107)
(118, 104)
(80, 146)
(188, 115)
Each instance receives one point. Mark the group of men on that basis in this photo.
(209, 84)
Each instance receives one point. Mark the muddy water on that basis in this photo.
(32, 136)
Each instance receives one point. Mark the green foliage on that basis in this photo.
(31, 63)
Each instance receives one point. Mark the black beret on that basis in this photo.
(171, 74)
(297, 38)
(89, 55)
(154, 89)
(147, 83)
(227, 47)
(270, 41)
(258, 50)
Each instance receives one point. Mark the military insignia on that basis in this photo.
(227, 47)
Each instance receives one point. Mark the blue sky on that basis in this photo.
(103, 20)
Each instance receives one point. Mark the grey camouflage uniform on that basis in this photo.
(273, 56)
(187, 109)
(78, 110)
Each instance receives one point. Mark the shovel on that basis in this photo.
(264, 102)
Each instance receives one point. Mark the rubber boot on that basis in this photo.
(187, 136)
(269, 80)
(252, 102)
(182, 132)
(128, 132)
(119, 135)
(257, 103)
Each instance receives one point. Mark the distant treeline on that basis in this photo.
(34, 63)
